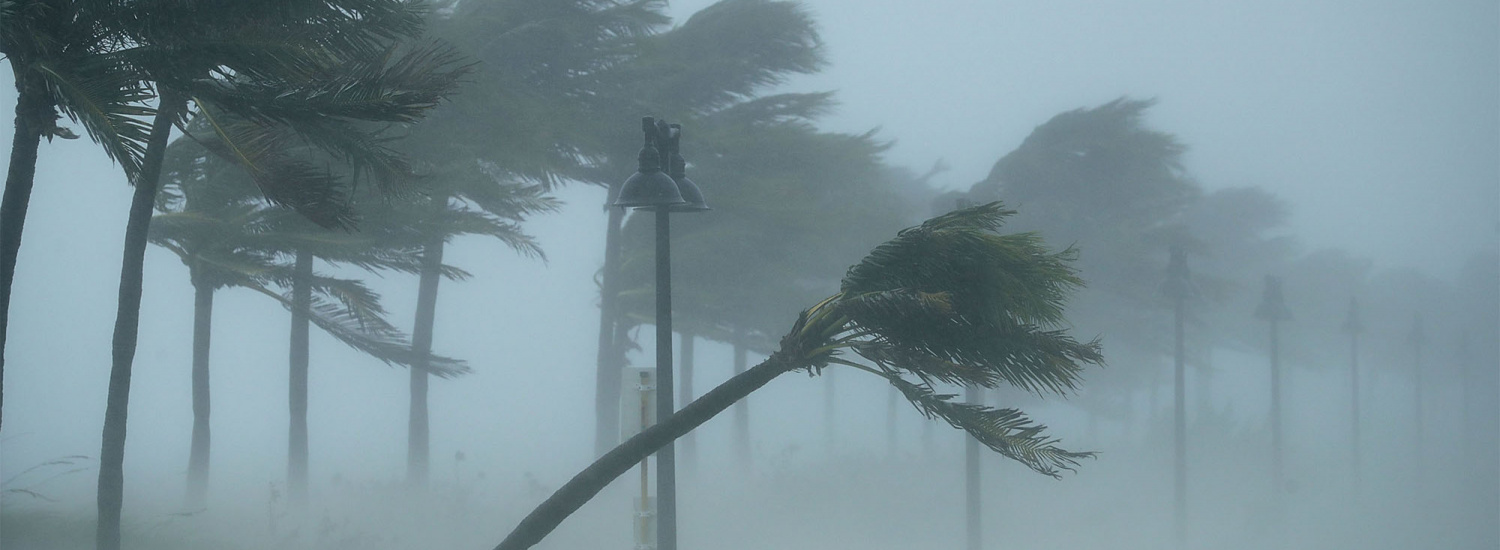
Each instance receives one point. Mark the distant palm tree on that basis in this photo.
(949, 301)
(1273, 310)
(463, 198)
(229, 236)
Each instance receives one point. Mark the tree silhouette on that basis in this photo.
(949, 301)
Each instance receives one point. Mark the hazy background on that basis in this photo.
(1379, 122)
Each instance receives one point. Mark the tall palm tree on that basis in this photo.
(310, 67)
(949, 301)
(466, 198)
(57, 50)
(1178, 287)
(1416, 338)
(1273, 311)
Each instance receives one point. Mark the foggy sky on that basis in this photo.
(1378, 121)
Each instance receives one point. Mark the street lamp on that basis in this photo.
(1178, 287)
(651, 189)
(1353, 325)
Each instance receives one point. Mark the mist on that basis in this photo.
(1351, 150)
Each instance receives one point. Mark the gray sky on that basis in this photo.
(1378, 121)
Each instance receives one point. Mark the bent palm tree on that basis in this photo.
(949, 301)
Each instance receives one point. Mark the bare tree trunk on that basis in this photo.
(616, 462)
(32, 110)
(111, 495)
(417, 434)
(608, 378)
(296, 454)
(203, 312)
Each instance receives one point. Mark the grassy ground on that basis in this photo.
(31, 529)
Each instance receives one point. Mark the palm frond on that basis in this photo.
(110, 103)
(1005, 431)
(381, 341)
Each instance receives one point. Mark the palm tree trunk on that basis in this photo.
(972, 497)
(1179, 423)
(741, 410)
(1277, 472)
(296, 452)
(417, 439)
(608, 378)
(829, 411)
(685, 395)
(32, 109)
(203, 311)
(890, 421)
(1416, 394)
(1354, 405)
(111, 496)
(616, 462)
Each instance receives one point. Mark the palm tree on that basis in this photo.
(312, 68)
(213, 219)
(791, 203)
(1272, 310)
(1179, 288)
(949, 301)
(471, 198)
(1416, 338)
(57, 51)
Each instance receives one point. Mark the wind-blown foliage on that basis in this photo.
(954, 302)
(1002, 294)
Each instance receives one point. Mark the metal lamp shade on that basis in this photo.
(691, 196)
(649, 190)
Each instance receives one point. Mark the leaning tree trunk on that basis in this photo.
(608, 378)
(616, 462)
(417, 447)
(296, 450)
(32, 110)
(203, 312)
(111, 497)
(741, 410)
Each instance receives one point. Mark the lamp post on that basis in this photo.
(1178, 287)
(651, 189)
(1273, 310)
(1353, 325)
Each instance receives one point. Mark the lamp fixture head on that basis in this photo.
(649, 187)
